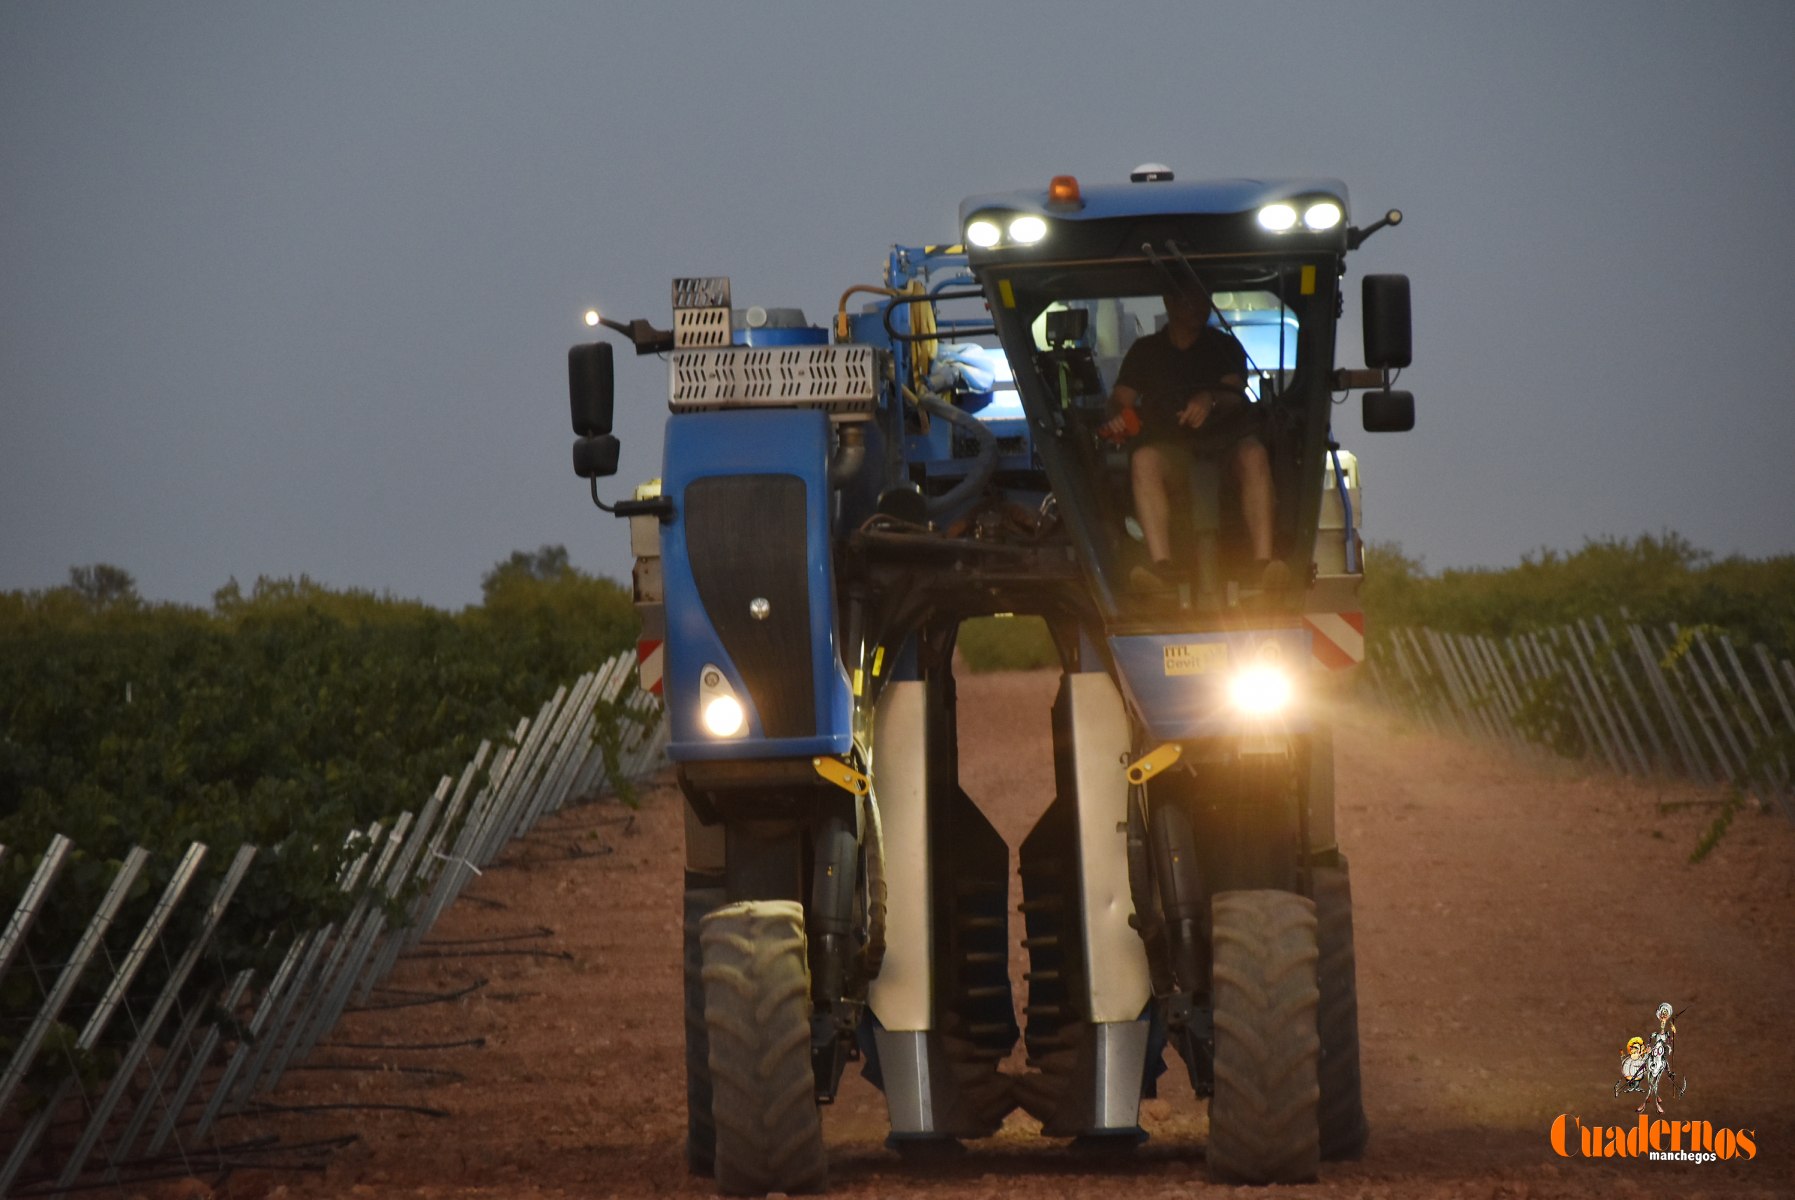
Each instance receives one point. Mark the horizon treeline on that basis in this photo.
(286, 696)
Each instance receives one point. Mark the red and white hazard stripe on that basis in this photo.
(649, 656)
(1339, 638)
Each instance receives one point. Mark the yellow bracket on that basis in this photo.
(841, 775)
(1146, 768)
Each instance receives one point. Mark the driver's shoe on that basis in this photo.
(1274, 576)
(1153, 581)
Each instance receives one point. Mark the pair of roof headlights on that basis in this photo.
(1024, 230)
(1317, 217)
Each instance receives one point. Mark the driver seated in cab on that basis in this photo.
(1184, 390)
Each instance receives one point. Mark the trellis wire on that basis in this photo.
(403, 878)
(1643, 701)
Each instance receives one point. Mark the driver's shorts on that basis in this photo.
(1217, 435)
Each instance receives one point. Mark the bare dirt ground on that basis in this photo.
(1517, 921)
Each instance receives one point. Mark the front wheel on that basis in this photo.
(1342, 1114)
(701, 1130)
(1263, 1117)
(769, 1135)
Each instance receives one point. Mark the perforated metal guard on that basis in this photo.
(700, 328)
(701, 291)
(841, 380)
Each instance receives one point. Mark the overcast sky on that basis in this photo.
(288, 287)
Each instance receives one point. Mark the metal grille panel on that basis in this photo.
(701, 291)
(841, 380)
(700, 327)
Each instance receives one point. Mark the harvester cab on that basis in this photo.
(836, 500)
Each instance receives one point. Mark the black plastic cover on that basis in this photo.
(1389, 334)
(591, 387)
(596, 457)
(1389, 412)
(747, 539)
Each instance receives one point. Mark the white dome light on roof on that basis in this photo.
(1151, 173)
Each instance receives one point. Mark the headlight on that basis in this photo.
(723, 716)
(1027, 230)
(1323, 214)
(1277, 217)
(1261, 689)
(983, 233)
(719, 711)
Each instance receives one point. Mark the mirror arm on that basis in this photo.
(1347, 378)
(643, 336)
(1356, 237)
(654, 506)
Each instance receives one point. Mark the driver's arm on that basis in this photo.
(1123, 398)
(1205, 400)
(1224, 389)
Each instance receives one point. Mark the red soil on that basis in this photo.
(1517, 920)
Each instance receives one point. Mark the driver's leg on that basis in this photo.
(1258, 504)
(1150, 471)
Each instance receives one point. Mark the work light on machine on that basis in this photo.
(1277, 217)
(1027, 230)
(723, 716)
(720, 711)
(983, 232)
(1261, 689)
(1321, 215)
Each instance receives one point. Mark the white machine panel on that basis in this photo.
(901, 995)
(1117, 959)
(701, 328)
(840, 380)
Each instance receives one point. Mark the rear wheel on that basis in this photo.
(769, 1135)
(1342, 1114)
(1262, 1118)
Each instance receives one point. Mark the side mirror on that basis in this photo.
(1389, 412)
(1389, 337)
(596, 457)
(591, 387)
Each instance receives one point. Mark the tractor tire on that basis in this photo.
(701, 1128)
(1262, 1118)
(769, 1134)
(1342, 1112)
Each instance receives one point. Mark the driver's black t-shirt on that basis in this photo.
(1166, 376)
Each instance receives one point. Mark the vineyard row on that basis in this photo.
(1676, 700)
(213, 1029)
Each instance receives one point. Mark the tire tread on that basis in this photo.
(769, 1134)
(1263, 1118)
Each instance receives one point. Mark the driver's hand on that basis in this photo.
(1197, 410)
(1125, 424)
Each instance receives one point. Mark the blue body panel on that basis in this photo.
(745, 442)
(803, 335)
(1179, 681)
